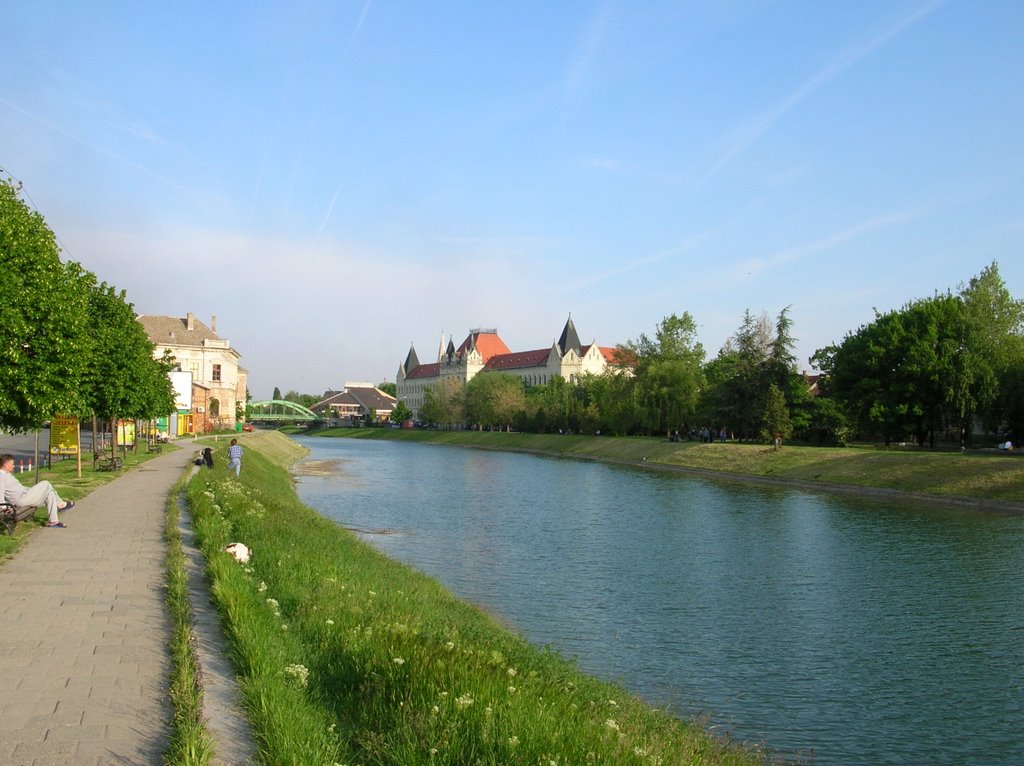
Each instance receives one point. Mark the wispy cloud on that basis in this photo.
(583, 54)
(752, 131)
(756, 266)
(638, 263)
(359, 25)
(330, 209)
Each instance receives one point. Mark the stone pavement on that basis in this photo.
(84, 631)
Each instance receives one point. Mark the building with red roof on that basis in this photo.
(484, 350)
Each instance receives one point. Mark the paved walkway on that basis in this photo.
(84, 631)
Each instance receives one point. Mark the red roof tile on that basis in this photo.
(487, 343)
(517, 359)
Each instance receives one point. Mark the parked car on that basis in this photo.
(248, 427)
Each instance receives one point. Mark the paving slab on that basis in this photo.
(84, 630)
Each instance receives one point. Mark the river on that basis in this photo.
(853, 631)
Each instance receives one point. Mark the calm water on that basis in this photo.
(864, 632)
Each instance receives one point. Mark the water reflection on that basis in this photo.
(866, 631)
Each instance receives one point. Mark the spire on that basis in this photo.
(569, 338)
(411, 361)
(440, 348)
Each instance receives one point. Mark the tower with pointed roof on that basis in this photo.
(483, 350)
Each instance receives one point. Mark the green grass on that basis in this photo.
(983, 475)
(345, 656)
(190, 741)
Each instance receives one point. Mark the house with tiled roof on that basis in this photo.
(484, 350)
(218, 381)
(356, 401)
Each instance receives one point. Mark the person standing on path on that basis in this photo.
(14, 492)
(235, 457)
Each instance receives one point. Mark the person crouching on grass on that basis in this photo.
(14, 492)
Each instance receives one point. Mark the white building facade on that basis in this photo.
(484, 350)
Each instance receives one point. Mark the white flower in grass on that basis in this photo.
(299, 672)
(435, 709)
(262, 588)
(464, 701)
(511, 690)
(330, 621)
(284, 626)
(433, 751)
(513, 741)
(398, 661)
(512, 672)
(611, 724)
(450, 645)
(613, 703)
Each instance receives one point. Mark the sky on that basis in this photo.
(337, 181)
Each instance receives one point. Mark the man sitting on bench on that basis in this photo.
(12, 491)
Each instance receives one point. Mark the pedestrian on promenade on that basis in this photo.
(14, 492)
(235, 457)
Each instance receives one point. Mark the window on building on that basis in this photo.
(216, 373)
(214, 408)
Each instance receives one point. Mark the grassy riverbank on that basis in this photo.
(985, 476)
(348, 657)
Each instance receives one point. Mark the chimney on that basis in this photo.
(213, 324)
(190, 321)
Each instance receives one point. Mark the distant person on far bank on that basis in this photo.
(235, 457)
(14, 492)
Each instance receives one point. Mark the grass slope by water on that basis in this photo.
(986, 477)
(346, 656)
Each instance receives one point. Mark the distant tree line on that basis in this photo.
(947, 365)
(69, 344)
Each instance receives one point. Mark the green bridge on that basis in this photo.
(280, 411)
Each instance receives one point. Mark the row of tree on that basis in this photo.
(70, 344)
(953, 364)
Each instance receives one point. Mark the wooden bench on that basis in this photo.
(10, 515)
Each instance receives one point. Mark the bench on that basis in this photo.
(10, 515)
(155, 447)
(108, 463)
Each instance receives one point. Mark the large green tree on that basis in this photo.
(493, 399)
(668, 374)
(442, 404)
(993, 345)
(901, 374)
(44, 340)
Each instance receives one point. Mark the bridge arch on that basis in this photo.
(279, 410)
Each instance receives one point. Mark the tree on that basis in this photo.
(492, 399)
(902, 374)
(401, 413)
(277, 393)
(391, 389)
(442, 404)
(993, 344)
(306, 400)
(776, 425)
(44, 348)
(668, 374)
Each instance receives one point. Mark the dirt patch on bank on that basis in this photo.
(323, 468)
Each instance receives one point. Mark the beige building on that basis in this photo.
(484, 350)
(218, 382)
(355, 401)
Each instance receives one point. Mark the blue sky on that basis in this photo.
(336, 180)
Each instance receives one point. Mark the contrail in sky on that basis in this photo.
(330, 210)
(359, 25)
(844, 61)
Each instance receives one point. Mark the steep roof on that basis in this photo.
(606, 351)
(518, 359)
(569, 338)
(411, 361)
(424, 371)
(486, 342)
